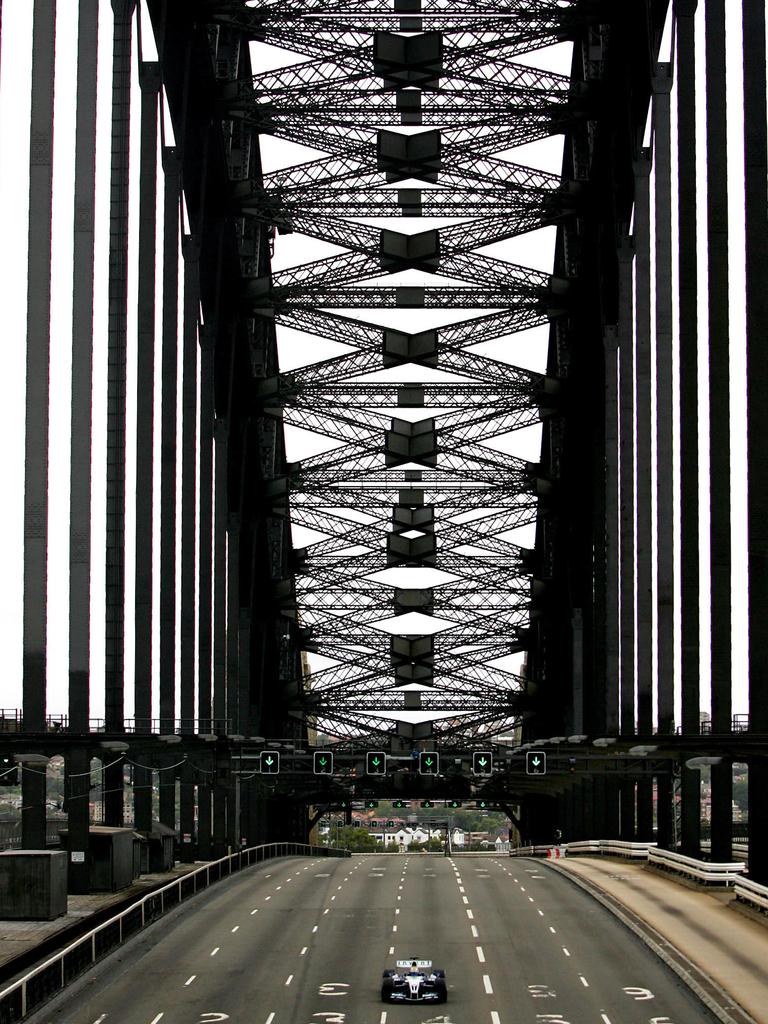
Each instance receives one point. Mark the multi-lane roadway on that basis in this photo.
(303, 941)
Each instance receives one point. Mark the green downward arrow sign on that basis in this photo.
(323, 762)
(428, 762)
(375, 762)
(482, 762)
(269, 762)
(535, 762)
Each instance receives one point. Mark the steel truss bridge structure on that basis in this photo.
(395, 625)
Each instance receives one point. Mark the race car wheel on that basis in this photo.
(387, 974)
(386, 991)
(442, 991)
(439, 972)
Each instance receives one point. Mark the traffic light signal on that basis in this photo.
(429, 762)
(453, 803)
(375, 762)
(426, 804)
(269, 762)
(482, 762)
(399, 805)
(535, 762)
(323, 762)
(370, 804)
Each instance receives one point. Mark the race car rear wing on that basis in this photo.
(425, 964)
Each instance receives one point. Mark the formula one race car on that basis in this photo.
(414, 981)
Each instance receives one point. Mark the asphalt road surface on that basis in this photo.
(301, 941)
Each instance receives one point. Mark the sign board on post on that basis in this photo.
(77, 856)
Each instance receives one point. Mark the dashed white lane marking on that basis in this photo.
(156, 1019)
(475, 933)
(480, 954)
(100, 1019)
(399, 897)
(338, 886)
(314, 929)
(254, 911)
(584, 981)
(397, 911)
(487, 984)
(552, 930)
(470, 915)
(333, 898)
(267, 897)
(289, 979)
(391, 950)
(267, 876)
(461, 888)
(270, 1018)
(327, 910)
(304, 950)
(566, 951)
(522, 888)
(605, 1018)
(540, 913)
(465, 899)
(236, 929)
(278, 888)
(383, 1017)
(394, 927)
(189, 981)
(215, 950)
(495, 1018)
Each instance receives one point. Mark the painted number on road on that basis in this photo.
(661, 1020)
(542, 992)
(639, 994)
(333, 988)
(556, 1018)
(209, 1018)
(334, 1017)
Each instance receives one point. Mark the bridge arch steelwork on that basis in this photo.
(411, 101)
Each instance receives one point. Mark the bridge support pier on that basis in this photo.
(77, 785)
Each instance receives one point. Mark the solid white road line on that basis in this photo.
(480, 954)
(289, 979)
(215, 951)
(487, 984)
(189, 981)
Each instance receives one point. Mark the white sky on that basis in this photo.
(535, 251)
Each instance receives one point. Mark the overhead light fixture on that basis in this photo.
(170, 738)
(30, 759)
(114, 746)
(702, 762)
(604, 741)
(576, 739)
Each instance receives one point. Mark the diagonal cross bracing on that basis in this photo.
(413, 590)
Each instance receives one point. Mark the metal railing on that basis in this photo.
(754, 895)
(702, 870)
(11, 720)
(52, 976)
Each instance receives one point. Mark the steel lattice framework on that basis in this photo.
(426, 488)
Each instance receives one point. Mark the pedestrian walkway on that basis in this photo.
(727, 946)
(23, 943)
